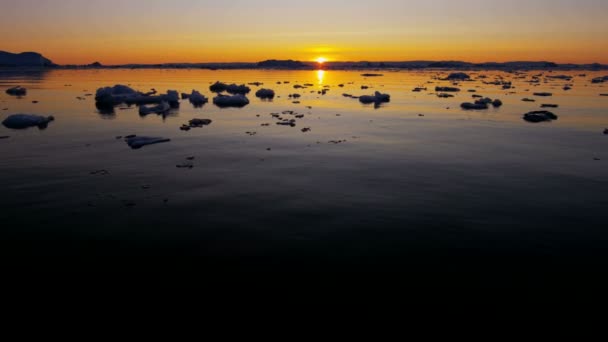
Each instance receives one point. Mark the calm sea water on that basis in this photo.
(462, 192)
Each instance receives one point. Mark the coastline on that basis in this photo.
(339, 66)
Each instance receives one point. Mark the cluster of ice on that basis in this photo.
(109, 97)
(219, 87)
(481, 104)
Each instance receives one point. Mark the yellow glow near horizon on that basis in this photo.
(82, 32)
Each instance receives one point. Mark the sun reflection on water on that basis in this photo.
(320, 76)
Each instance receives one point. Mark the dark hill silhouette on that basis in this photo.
(25, 59)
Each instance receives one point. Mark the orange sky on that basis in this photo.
(136, 31)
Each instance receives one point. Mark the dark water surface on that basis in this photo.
(480, 194)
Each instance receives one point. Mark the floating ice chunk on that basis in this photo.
(172, 97)
(218, 87)
(447, 89)
(200, 122)
(161, 108)
(474, 106)
(196, 123)
(17, 91)
(376, 98)
(231, 101)
(112, 96)
(600, 79)
(560, 77)
(265, 94)
(238, 89)
(444, 95)
(21, 121)
(136, 142)
(540, 116)
(197, 99)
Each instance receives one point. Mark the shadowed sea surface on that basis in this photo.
(467, 194)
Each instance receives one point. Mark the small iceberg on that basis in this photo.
(136, 142)
(17, 91)
(218, 87)
(224, 101)
(22, 121)
(376, 98)
(112, 96)
(267, 94)
(540, 116)
(197, 99)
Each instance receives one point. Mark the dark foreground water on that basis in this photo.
(456, 195)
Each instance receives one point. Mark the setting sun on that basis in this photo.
(321, 60)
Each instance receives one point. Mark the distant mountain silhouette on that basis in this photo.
(285, 64)
(33, 59)
(29, 59)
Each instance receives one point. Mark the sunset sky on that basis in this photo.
(152, 31)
